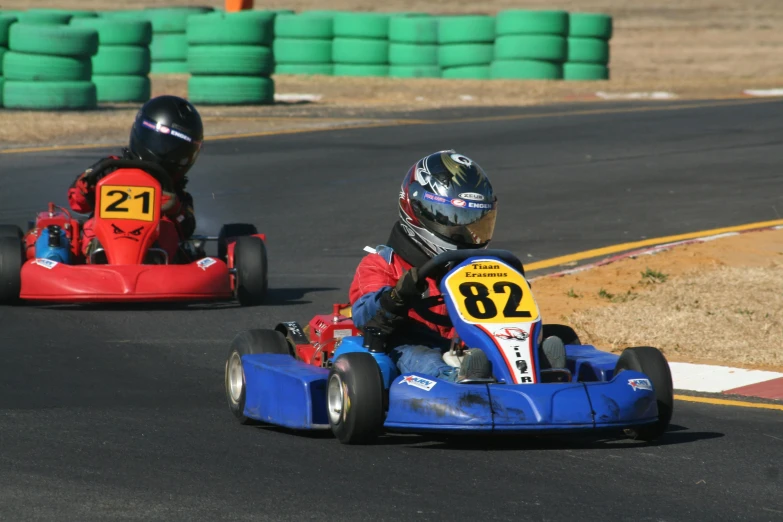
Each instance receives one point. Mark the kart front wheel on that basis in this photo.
(354, 397)
(248, 342)
(11, 259)
(233, 230)
(11, 231)
(250, 262)
(651, 362)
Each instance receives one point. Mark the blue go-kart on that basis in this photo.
(331, 376)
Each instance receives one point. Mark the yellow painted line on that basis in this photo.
(727, 402)
(623, 247)
(394, 123)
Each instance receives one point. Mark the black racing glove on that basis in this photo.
(408, 289)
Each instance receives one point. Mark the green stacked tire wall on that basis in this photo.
(465, 46)
(413, 47)
(230, 58)
(303, 44)
(120, 70)
(530, 45)
(361, 44)
(169, 46)
(5, 25)
(588, 47)
(49, 67)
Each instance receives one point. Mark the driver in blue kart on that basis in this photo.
(168, 131)
(446, 202)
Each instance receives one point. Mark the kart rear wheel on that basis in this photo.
(248, 342)
(11, 231)
(651, 362)
(250, 262)
(232, 230)
(11, 260)
(354, 398)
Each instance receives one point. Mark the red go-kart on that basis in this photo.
(46, 264)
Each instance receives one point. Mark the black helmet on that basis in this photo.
(168, 130)
(447, 203)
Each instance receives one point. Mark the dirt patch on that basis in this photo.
(694, 48)
(717, 302)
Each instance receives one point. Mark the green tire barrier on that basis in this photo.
(2, 82)
(414, 71)
(324, 69)
(231, 90)
(172, 19)
(347, 69)
(240, 28)
(49, 95)
(471, 72)
(295, 51)
(534, 47)
(73, 13)
(123, 88)
(229, 60)
(413, 30)
(466, 29)
(53, 40)
(169, 67)
(413, 54)
(361, 25)
(304, 27)
(118, 31)
(3, 50)
(360, 51)
(44, 18)
(590, 25)
(585, 71)
(517, 21)
(44, 68)
(169, 47)
(121, 60)
(588, 50)
(526, 70)
(5, 26)
(460, 55)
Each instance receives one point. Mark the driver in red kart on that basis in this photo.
(168, 131)
(446, 202)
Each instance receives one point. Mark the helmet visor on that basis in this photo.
(468, 224)
(169, 145)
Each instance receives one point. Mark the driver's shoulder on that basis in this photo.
(378, 253)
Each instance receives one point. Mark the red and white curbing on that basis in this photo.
(705, 378)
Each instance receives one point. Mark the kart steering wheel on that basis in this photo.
(453, 257)
(153, 169)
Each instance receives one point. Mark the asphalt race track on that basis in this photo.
(119, 413)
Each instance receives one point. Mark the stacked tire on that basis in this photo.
(169, 46)
(120, 70)
(413, 47)
(303, 44)
(530, 45)
(466, 46)
(44, 17)
(49, 67)
(588, 47)
(5, 25)
(230, 58)
(361, 44)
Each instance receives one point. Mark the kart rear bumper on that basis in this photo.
(284, 391)
(56, 282)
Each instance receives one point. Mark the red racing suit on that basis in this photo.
(178, 222)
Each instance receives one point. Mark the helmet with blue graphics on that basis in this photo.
(447, 203)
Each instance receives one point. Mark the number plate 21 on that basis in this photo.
(125, 202)
(491, 292)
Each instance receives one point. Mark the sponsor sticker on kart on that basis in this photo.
(206, 263)
(418, 382)
(640, 384)
(514, 333)
(127, 202)
(46, 263)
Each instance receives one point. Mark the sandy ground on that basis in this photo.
(716, 302)
(693, 48)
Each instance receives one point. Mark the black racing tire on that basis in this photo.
(565, 333)
(233, 230)
(356, 377)
(249, 342)
(250, 262)
(11, 260)
(11, 231)
(651, 362)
